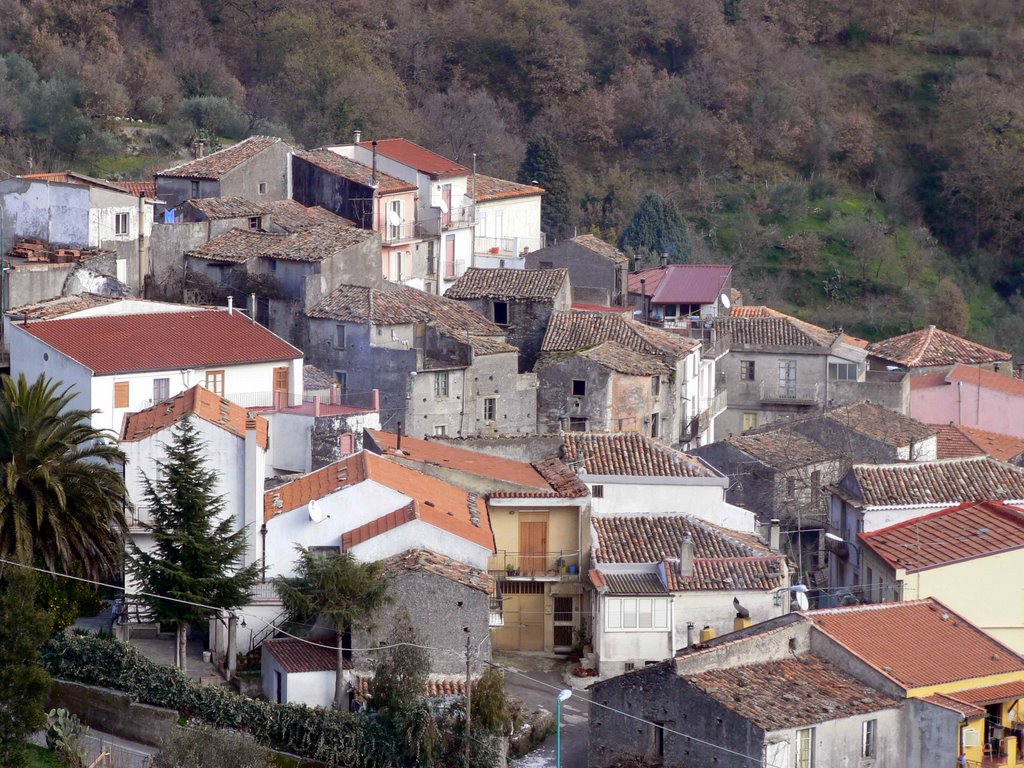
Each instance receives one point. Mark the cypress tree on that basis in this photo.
(657, 227)
(542, 166)
(197, 551)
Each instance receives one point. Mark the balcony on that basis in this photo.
(791, 394)
(535, 566)
(400, 233)
(459, 217)
(139, 517)
(506, 247)
(454, 269)
(265, 592)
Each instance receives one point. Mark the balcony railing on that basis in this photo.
(801, 395)
(453, 270)
(138, 517)
(459, 216)
(554, 566)
(506, 247)
(397, 233)
(265, 592)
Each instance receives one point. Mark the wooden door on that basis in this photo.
(281, 380)
(533, 547)
(531, 622)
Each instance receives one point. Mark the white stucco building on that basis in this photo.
(508, 222)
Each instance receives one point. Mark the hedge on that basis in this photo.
(330, 736)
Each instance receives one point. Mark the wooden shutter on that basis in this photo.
(120, 394)
(281, 379)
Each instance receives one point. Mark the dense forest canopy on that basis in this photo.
(860, 163)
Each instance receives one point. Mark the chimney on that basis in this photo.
(357, 136)
(686, 557)
(373, 174)
(198, 146)
(398, 442)
(664, 259)
(643, 296)
(773, 535)
(689, 634)
(231, 304)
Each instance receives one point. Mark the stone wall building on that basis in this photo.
(598, 270)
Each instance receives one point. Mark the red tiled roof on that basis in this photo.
(292, 216)
(162, 341)
(682, 283)
(917, 643)
(973, 529)
(629, 454)
(431, 562)
(71, 177)
(790, 693)
(310, 244)
(990, 694)
(948, 481)
(296, 656)
(492, 188)
(932, 347)
(615, 357)
(354, 171)
(420, 158)
(968, 374)
(140, 188)
(581, 307)
(218, 164)
(433, 501)
(229, 207)
(200, 402)
(646, 583)
(483, 464)
(774, 332)
(957, 440)
(437, 685)
(962, 708)
(880, 423)
(525, 284)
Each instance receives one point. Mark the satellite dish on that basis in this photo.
(394, 219)
(801, 600)
(725, 301)
(443, 207)
(316, 512)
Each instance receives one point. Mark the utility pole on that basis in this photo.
(469, 696)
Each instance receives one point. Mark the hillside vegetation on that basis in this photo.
(860, 163)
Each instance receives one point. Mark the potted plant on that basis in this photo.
(511, 570)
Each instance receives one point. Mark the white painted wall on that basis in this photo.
(52, 211)
(31, 357)
(515, 219)
(290, 446)
(315, 689)
(424, 535)
(703, 498)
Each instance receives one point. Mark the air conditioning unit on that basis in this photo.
(971, 737)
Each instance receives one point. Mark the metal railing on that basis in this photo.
(139, 517)
(564, 565)
(507, 247)
(459, 216)
(257, 638)
(396, 233)
(794, 393)
(453, 269)
(264, 592)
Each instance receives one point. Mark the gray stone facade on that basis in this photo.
(269, 168)
(595, 278)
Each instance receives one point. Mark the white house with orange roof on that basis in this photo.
(507, 222)
(122, 363)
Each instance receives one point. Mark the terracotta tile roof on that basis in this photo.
(437, 685)
(354, 171)
(962, 708)
(880, 423)
(774, 332)
(956, 440)
(620, 359)
(990, 694)
(973, 529)
(140, 188)
(162, 341)
(722, 561)
(491, 188)
(62, 305)
(433, 501)
(220, 163)
(420, 158)
(632, 583)
(740, 310)
(519, 284)
(599, 246)
(293, 216)
(629, 454)
(394, 304)
(314, 378)
(312, 244)
(562, 478)
(71, 177)
(968, 374)
(296, 656)
(573, 331)
(782, 448)
(947, 481)
(232, 207)
(791, 693)
(682, 283)
(932, 346)
(439, 565)
(202, 403)
(923, 642)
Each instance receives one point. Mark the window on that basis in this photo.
(120, 394)
(441, 384)
(121, 224)
(636, 613)
(501, 312)
(746, 370)
(579, 387)
(342, 378)
(655, 424)
(749, 421)
(645, 613)
(655, 386)
(547, 265)
(787, 378)
(790, 487)
(215, 382)
(842, 371)
(490, 408)
(440, 430)
(195, 190)
(805, 748)
(577, 424)
(658, 741)
(869, 737)
(273, 265)
(339, 336)
(597, 491)
(394, 219)
(254, 222)
(262, 188)
(161, 389)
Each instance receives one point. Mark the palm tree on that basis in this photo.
(61, 492)
(337, 588)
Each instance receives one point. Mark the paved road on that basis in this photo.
(538, 685)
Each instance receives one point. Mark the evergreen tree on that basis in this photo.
(23, 682)
(657, 227)
(337, 588)
(197, 552)
(542, 167)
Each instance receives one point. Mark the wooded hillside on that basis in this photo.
(860, 162)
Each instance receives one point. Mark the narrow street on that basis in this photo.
(537, 679)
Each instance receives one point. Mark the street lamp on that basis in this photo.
(563, 694)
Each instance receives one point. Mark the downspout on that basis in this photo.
(142, 257)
